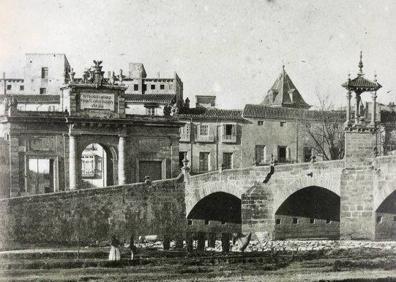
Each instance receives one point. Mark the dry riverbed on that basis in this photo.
(274, 261)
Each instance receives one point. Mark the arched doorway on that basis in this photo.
(97, 166)
(385, 222)
(311, 212)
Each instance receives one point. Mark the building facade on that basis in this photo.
(280, 129)
(44, 150)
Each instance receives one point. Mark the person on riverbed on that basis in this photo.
(132, 246)
(114, 254)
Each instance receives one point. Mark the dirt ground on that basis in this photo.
(356, 262)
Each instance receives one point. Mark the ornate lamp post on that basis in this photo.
(360, 85)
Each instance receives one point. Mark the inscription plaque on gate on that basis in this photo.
(96, 101)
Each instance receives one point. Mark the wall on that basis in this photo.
(16, 84)
(91, 216)
(272, 135)
(4, 169)
(320, 229)
(28, 137)
(359, 147)
(58, 67)
(214, 146)
(385, 229)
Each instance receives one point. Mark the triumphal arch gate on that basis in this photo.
(91, 142)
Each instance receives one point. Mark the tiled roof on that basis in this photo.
(150, 98)
(35, 99)
(211, 114)
(284, 93)
(360, 83)
(265, 112)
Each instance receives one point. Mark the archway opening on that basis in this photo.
(385, 222)
(97, 168)
(312, 212)
(221, 207)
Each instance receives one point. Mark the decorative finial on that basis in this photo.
(349, 76)
(375, 76)
(361, 64)
(283, 67)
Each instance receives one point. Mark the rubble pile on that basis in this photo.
(289, 245)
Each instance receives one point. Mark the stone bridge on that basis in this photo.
(333, 199)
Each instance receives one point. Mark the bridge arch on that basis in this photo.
(289, 186)
(202, 187)
(310, 212)
(217, 206)
(385, 228)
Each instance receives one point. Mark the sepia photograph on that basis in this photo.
(197, 140)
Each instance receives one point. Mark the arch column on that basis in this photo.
(121, 160)
(72, 162)
(357, 114)
(348, 112)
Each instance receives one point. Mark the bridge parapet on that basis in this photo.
(238, 181)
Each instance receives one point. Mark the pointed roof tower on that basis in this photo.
(283, 93)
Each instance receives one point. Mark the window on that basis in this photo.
(312, 220)
(394, 218)
(185, 132)
(328, 221)
(282, 123)
(44, 72)
(227, 160)
(203, 161)
(21, 87)
(295, 220)
(229, 133)
(204, 130)
(162, 87)
(260, 122)
(260, 154)
(189, 222)
(379, 219)
(182, 155)
(307, 154)
(282, 154)
(278, 221)
(43, 90)
(136, 87)
(228, 129)
(206, 222)
(150, 111)
(152, 86)
(9, 87)
(144, 87)
(40, 175)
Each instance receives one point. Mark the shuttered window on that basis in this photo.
(185, 132)
(203, 161)
(227, 160)
(229, 133)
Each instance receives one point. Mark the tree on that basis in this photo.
(325, 130)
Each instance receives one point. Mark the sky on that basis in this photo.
(232, 49)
